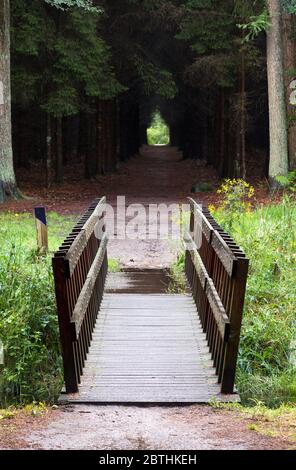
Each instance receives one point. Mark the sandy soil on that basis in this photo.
(135, 428)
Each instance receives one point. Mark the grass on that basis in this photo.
(277, 422)
(19, 230)
(28, 320)
(114, 265)
(177, 278)
(267, 359)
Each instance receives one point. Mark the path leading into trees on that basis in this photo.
(158, 174)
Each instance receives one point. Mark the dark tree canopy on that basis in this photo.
(90, 71)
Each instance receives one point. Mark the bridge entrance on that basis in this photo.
(125, 339)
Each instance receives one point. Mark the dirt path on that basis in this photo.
(135, 428)
(158, 174)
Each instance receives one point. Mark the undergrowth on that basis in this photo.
(267, 358)
(28, 320)
(177, 279)
(158, 133)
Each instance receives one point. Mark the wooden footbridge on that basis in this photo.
(125, 339)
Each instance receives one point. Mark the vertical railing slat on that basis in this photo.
(230, 288)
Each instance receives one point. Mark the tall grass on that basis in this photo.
(267, 359)
(28, 321)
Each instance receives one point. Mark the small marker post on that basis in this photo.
(41, 227)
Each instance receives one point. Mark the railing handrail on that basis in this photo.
(217, 272)
(80, 268)
(86, 292)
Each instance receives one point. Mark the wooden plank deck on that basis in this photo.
(147, 348)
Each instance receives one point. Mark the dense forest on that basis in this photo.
(87, 77)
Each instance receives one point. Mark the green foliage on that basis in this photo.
(207, 32)
(28, 320)
(289, 6)
(236, 196)
(158, 133)
(63, 4)
(156, 81)
(255, 26)
(177, 278)
(267, 366)
(217, 33)
(114, 265)
(80, 66)
(58, 57)
(288, 182)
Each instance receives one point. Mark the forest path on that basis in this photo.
(158, 174)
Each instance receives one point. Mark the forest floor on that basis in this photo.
(159, 176)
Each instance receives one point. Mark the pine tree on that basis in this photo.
(277, 107)
(60, 95)
(7, 177)
(61, 62)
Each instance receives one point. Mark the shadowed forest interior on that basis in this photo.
(86, 85)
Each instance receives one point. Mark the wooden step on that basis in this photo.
(147, 347)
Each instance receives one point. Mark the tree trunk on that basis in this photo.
(7, 176)
(24, 133)
(99, 134)
(222, 134)
(243, 116)
(48, 152)
(289, 47)
(59, 162)
(91, 156)
(278, 165)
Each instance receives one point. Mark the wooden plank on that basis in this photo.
(236, 315)
(80, 242)
(41, 228)
(87, 290)
(159, 357)
(224, 253)
(204, 223)
(218, 310)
